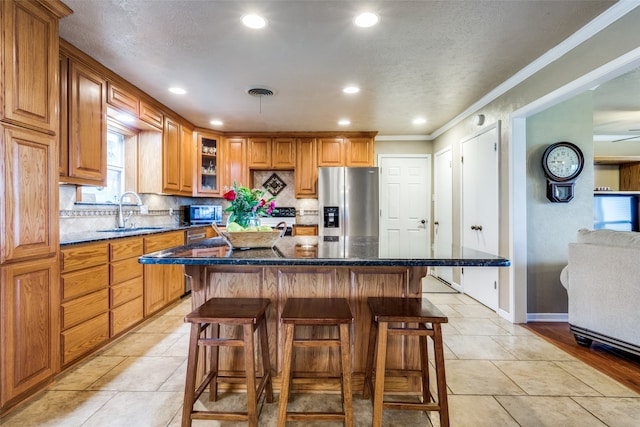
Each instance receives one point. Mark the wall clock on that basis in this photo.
(562, 162)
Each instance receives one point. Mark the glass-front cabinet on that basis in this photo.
(209, 182)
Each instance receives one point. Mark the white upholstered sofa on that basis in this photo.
(602, 280)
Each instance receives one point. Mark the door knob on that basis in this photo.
(436, 223)
(423, 222)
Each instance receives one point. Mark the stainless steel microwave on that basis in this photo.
(203, 214)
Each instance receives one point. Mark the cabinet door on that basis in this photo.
(208, 167)
(235, 161)
(283, 153)
(151, 115)
(306, 172)
(330, 152)
(63, 136)
(359, 151)
(29, 185)
(187, 152)
(87, 125)
(121, 99)
(259, 153)
(171, 156)
(30, 80)
(30, 346)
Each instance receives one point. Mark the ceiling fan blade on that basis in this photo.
(627, 139)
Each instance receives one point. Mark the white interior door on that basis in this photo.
(443, 212)
(405, 207)
(480, 212)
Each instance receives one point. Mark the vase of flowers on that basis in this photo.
(248, 205)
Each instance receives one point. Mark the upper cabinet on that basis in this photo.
(123, 99)
(345, 151)
(271, 153)
(171, 156)
(306, 172)
(187, 157)
(208, 182)
(234, 156)
(29, 66)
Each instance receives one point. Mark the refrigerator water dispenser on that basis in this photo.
(331, 217)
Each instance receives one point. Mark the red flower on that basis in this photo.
(229, 195)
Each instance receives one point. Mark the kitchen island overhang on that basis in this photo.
(310, 267)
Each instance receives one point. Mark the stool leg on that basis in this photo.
(378, 389)
(286, 375)
(266, 363)
(440, 375)
(424, 365)
(250, 373)
(347, 396)
(373, 334)
(214, 352)
(190, 382)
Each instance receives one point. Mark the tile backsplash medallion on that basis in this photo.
(166, 209)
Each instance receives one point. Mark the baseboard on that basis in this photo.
(547, 317)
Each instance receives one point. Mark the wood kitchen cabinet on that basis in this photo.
(234, 156)
(123, 99)
(86, 101)
(163, 284)
(271, 153)
(187, 157)
(29, 283)
(151, 115)
(207, 164)
(84, 308)
(359, 151)
(345, 151)
(331, 151)
(306, 171)
(126, 305)
(171, 156)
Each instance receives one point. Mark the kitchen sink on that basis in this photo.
(127, 230)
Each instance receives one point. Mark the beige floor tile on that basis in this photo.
(475, 311)
(542, 378)
(513, 328)
(538, 411)
(139, 374)
(449, 311)
(476, 326)
(597, 380)
(532, 348)
(140, 409)
(59, 409)
(616, 412)
(137, 344)
(479, 377)
(477, 347)
(82, 376)
(177, 379)
(445, 299)
(478, 411)
(165, 325)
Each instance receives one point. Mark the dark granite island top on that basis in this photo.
(310, 267)
(312, 251)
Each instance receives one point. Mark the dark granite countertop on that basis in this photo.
(96, 235)
(311, 250)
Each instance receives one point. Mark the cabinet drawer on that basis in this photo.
(305, 230)
(125, 248)
(84, 338)
(84, 281)
(125, 270)
(163, 241)
(84, 308)
(84, 256)
(126, 291)
(126, 316)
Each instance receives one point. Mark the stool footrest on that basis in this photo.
(413, 406)
(320, 416)
(226, 416)
(316, 342)
(221, 342)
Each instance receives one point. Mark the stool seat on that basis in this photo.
(250, 315)
(334, 312)
(427, 319)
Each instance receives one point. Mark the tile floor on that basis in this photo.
(498, 374)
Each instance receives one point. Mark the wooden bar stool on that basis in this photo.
(316, 312)
(248, 312)
(407, 311)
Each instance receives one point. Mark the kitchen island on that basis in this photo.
(308, 267)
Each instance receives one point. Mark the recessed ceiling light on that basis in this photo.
(419, 121)
(351, 89)
(366, 20)
(254, 21)
(177, 90)
(217, 122)
(344, 122)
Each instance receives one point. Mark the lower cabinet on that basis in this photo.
(126, 307)
(29, 300)
(163, 284)
(84, 309)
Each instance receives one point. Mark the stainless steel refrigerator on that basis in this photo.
(348, 201)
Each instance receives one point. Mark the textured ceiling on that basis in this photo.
(430, 59)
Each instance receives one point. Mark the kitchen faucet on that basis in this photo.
(121, 220)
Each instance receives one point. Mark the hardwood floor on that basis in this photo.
(621, 366)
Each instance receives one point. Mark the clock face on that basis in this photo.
(563, 161)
